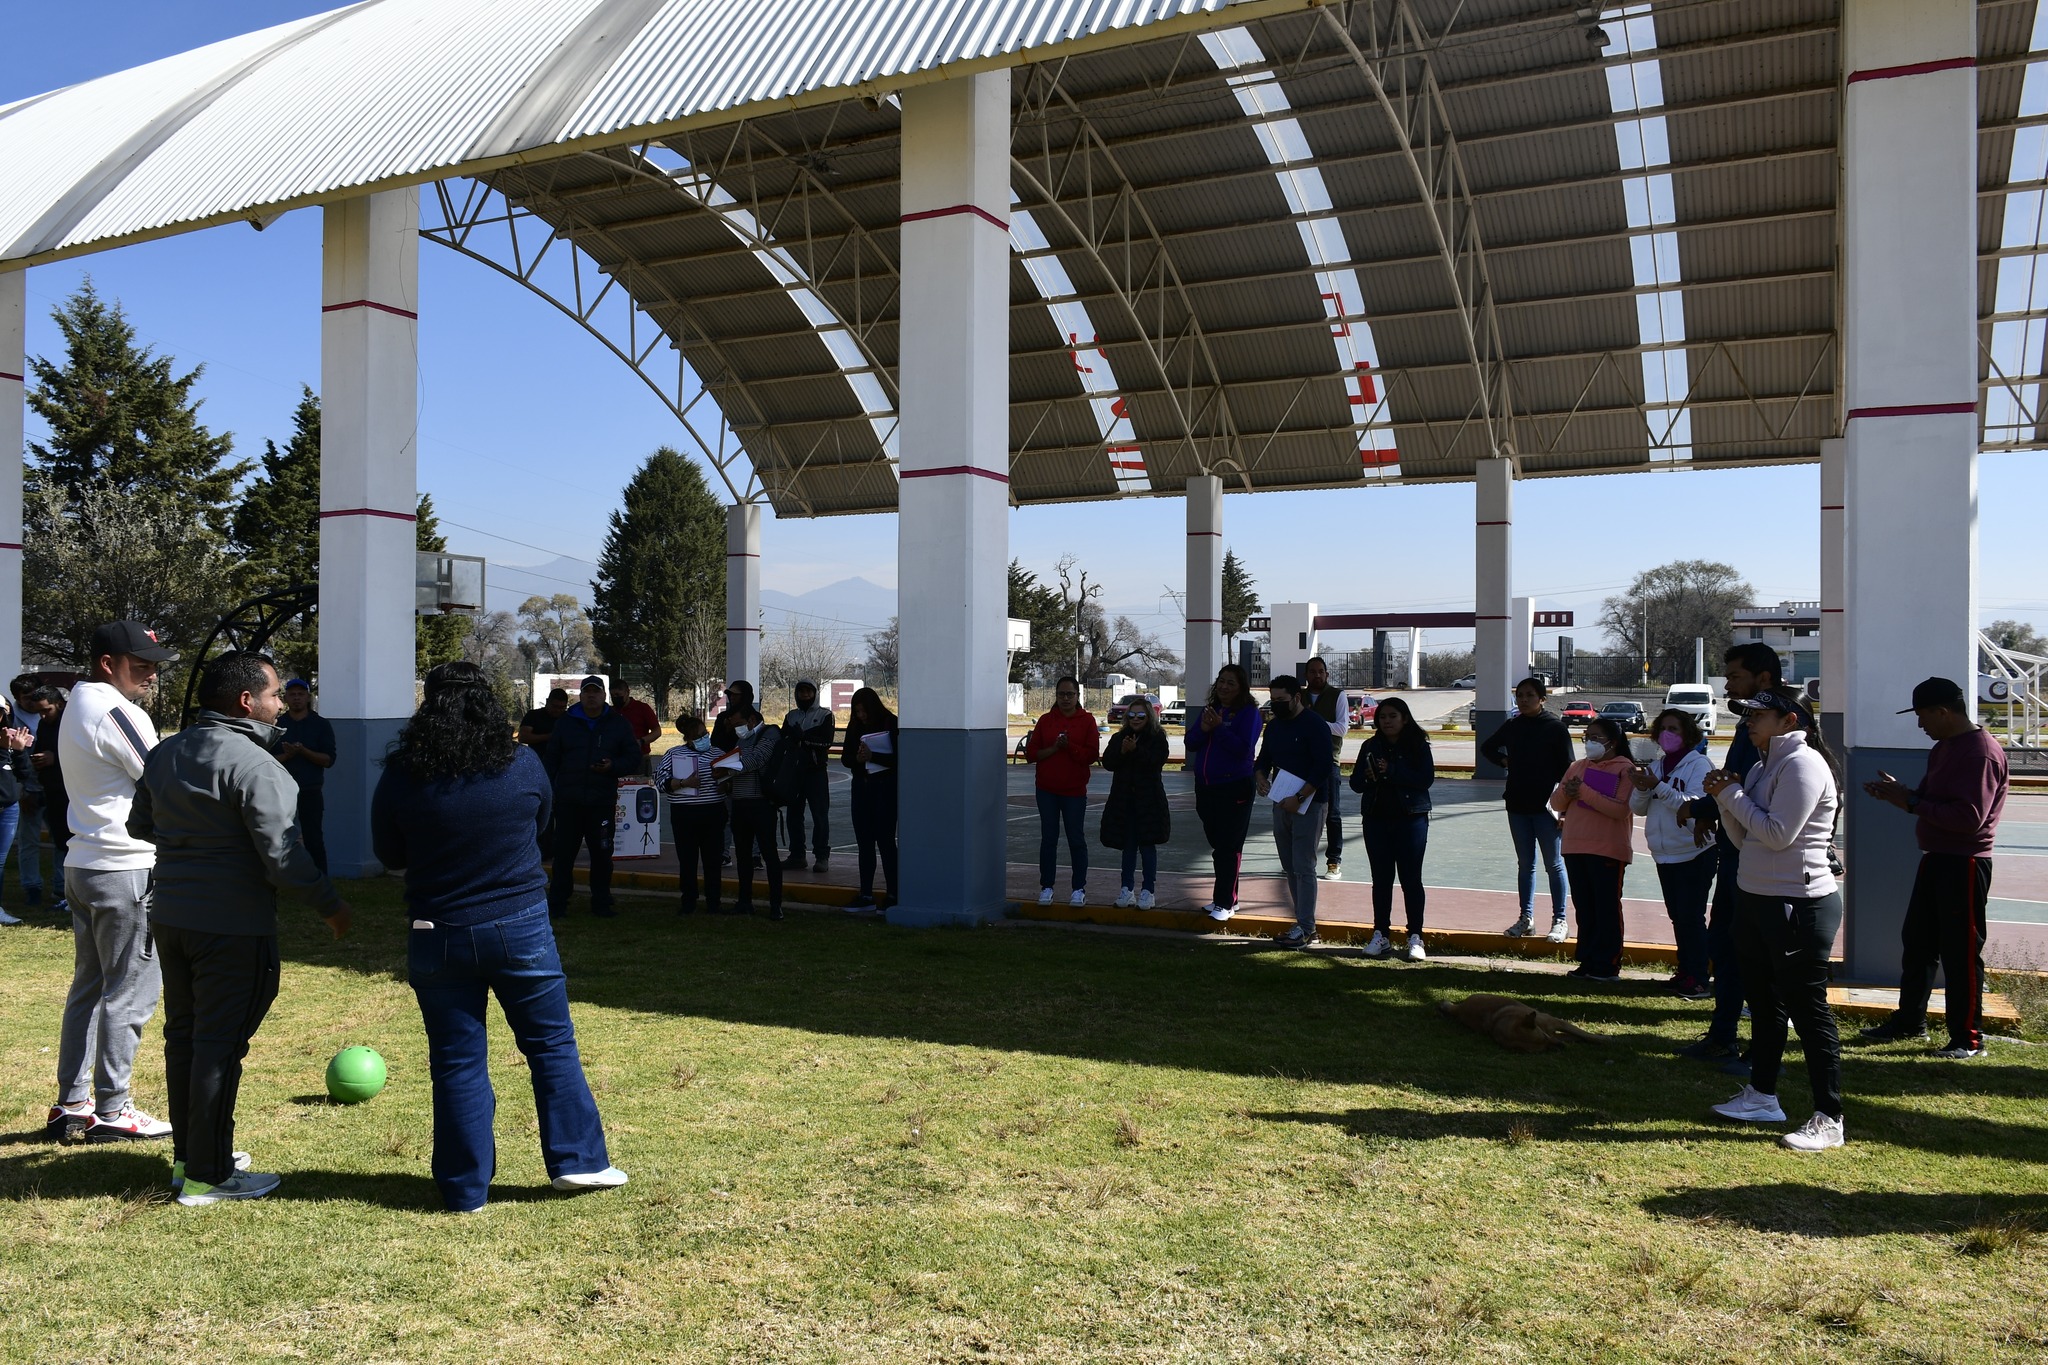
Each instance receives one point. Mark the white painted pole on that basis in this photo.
(1414, 657)
(13, 376)
(369, 490)
(953, 502)
(1834, 586)
(1493, 486)
(743, 594)
(1909, 286)
(1204, 583)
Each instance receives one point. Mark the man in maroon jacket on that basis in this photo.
(1958, 805)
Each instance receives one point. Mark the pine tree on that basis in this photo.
(659, 608)
(120, 418)
(275, 531)
(436, 639)
(1240, 596)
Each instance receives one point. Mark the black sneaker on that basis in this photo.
(774, 912)
(69, 1123)
(1891, 1031)
(793, 863)
(1710, 1050)
(1959, 1052)
(606, 913)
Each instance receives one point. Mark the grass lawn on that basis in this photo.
(850, 1142)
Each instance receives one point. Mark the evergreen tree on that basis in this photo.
(436, 639)
(1240, 598)
(275, 531)
(1053, 628)
(659, 609)
(120, 418)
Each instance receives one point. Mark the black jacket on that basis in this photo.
(1535, 750)
(578, 742)
(1136, 813)
(1404, 789)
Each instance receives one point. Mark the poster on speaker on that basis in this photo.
(636, 823)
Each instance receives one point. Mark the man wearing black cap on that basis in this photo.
(307, 752)
(1957, 804)
(115, 976)
(592, 747)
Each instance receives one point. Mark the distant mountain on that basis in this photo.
(853, 607)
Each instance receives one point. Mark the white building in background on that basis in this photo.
(1791, 628)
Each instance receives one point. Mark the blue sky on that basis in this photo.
(528, 428)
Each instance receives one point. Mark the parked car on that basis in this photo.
(1468, 682)
(1117, 708)
(1174, 714)
(1627, 714)
(1578, 712)
(1696, 699)
(1363, 709)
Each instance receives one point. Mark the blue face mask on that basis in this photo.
(702, 744)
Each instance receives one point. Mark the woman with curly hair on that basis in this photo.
(459, 807)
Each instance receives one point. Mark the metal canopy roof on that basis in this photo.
(1298, 244)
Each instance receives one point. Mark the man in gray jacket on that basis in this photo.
(223, 814)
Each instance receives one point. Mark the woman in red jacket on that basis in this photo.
(1593, 802)
(1064, 746)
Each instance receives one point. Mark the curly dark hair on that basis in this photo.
(460, 730)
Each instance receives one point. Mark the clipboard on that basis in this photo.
(878, 743)
(1285, 784)
(1601, 781)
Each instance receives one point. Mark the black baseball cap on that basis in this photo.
(1943, 692)
(592, 681)
(1774, 701)
(130, 637)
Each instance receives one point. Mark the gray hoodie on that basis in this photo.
(223, 814)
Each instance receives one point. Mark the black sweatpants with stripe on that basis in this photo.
(1945, 928)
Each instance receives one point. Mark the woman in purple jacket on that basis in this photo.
(1222, 742)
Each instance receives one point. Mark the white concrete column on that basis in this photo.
(743, 594)
(1493, 497)
(1909, 288)
(13, 375)
(369, 492)
(1294, 637)
(1204, 653)
(1522, 637)
(953, 506)
(1834, 575)
(1414, 657)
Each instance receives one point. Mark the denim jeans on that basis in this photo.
(1533, 830)
(1150, 854)
(1294, 836)
(28, 848)
(454, 968)
(1686, 888)
(1394, 846)
(1053, 811)
(10, 820)
(1729, 996)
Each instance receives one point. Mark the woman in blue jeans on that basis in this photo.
(1392, 777)
(1535, 748)
(460, 807)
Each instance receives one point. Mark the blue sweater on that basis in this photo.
(469, 846)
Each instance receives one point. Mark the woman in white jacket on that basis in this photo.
(1685, 861)
(1782, 816)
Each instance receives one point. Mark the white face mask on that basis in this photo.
(1595, 750)
(702, 744)
(742, 731)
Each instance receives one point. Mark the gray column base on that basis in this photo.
(951, 827)
(1485, 723)
(1878, 846)
(360, 746)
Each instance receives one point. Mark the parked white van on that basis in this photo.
(1696, 698)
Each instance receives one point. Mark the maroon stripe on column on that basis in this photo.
(1217, 534)
(1915, 410)
(1494, 523)
(1833, 507)
(1493, 618)
(953, 469)
(954, 211)
(368, 512)
(366, 303)
(15, 377)
(1888, 73)
(741, 554)
(1205, 620)
(8, 545)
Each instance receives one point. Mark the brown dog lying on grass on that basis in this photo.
(1514, 1025)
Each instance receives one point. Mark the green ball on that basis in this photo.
(356, 1074)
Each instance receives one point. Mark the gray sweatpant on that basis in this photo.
(1294, 836)
(114, 985)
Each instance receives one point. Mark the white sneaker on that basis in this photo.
(1078, 898)
(1557, 930)
(1378, 945)
(1333, 872)
(1144, 900)
(130, 1125)
(1415, 949)
(1124, 899)
(1751, 1106)
(1817, 1134)
(610, 1178)
(1220, 913)
(1521, 928)
(6, 918)
(1045, 895)
(240, 1185)
(240, 1160)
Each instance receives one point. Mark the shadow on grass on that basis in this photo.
(1507, 1125)
(1817, 1211)
(1169, 1002)
(109, 1171)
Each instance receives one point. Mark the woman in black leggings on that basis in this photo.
(873, 797)
(1222, 742)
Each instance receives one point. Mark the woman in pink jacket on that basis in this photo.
(1593, 803)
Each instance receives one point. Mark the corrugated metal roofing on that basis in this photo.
(1145, 179)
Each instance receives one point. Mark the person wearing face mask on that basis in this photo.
(1296, 752)
(753, 812)
(1536, 748)
(1781, 814)
(1684, 854)
(696, 811)
(223, 814)
(1593, 802)
(1392, 777)
(1135, 818)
